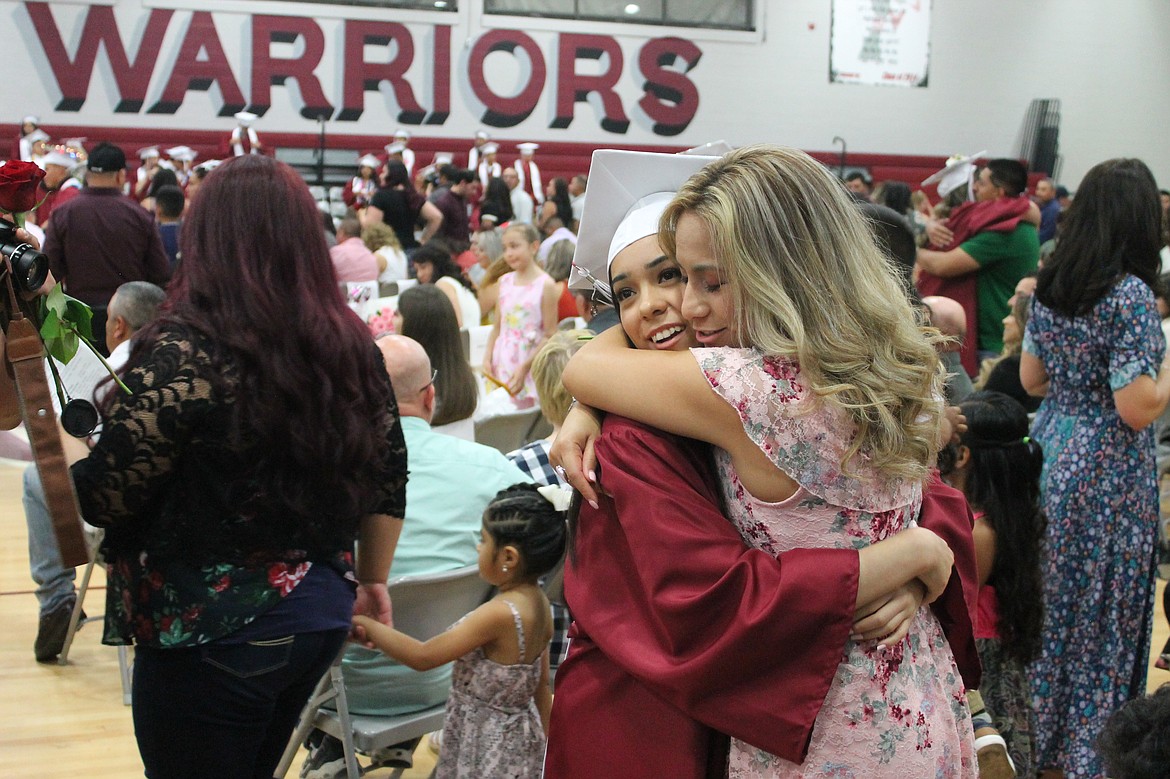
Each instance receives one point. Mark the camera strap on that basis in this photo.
(25, 352)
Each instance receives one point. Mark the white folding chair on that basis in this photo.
(424, 606)
(75, 621)
(508, 432)
(477, 343)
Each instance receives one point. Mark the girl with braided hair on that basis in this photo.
(498, 710)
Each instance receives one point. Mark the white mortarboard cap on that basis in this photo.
(166, 164)
(402, 135)
(246, 118)
(527, 148)
(959, 170)
(482, 135)
(75, 143)
(146, 152)
(443, 158)
(395, 148)
(182, 153)
(61, 155)
(37, 135)
(208, 165)
(628, 191)
(711, 149)
(369, 161)
(489, 148)
(31, 119)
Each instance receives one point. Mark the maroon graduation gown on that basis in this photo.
(683, 634)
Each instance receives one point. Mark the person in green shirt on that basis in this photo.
(1001, 258)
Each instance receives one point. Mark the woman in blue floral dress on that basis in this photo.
(1093, 346)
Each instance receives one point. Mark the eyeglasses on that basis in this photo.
(434, 375)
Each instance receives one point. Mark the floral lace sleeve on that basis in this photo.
(802, 437)
(143, 433)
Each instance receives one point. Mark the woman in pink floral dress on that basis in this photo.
(824, 427)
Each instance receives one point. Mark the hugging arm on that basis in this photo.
(662, 583)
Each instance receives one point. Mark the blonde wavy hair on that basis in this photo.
(808, 282)
(378, 234)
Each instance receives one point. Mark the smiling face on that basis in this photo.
(648, 293)
(707, 303)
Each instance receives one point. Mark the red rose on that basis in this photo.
(18, 186)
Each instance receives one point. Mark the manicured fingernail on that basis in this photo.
(881, 647)
(592, 476)
(593, 503)
(855, 637)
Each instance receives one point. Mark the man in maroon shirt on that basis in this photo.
(452, 203)
(101, 239)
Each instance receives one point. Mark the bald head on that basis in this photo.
(947, 315)
(410, 375)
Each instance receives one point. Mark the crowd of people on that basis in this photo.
(866, 486)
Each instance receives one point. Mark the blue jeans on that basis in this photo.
(225, 710)
(54, 581)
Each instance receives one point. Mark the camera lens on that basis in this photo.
(30, 268)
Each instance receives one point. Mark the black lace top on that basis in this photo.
(196, 545)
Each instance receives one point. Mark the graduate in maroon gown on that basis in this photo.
(683, 634)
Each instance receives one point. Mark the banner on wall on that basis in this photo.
(880, 42)
(112, 62)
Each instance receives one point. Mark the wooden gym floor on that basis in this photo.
(70, 720)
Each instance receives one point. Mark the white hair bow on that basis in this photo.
(558, 496)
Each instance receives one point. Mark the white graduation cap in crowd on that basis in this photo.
(37, 135)
(482, 135)
(245, 118)
(63, 155)
(208, 165)
(401, 135)
(395, 148)
(147, 152)
(182, 153)
(443, 158)
(369, 161)
(489, 148)
(711, 149)
(527, 148)
(31, 119)
(959, 170)
(628, 191)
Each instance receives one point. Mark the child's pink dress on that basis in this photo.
(900, 712)
(492, 727)
(521, 329)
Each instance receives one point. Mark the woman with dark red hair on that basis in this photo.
(260, 437)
